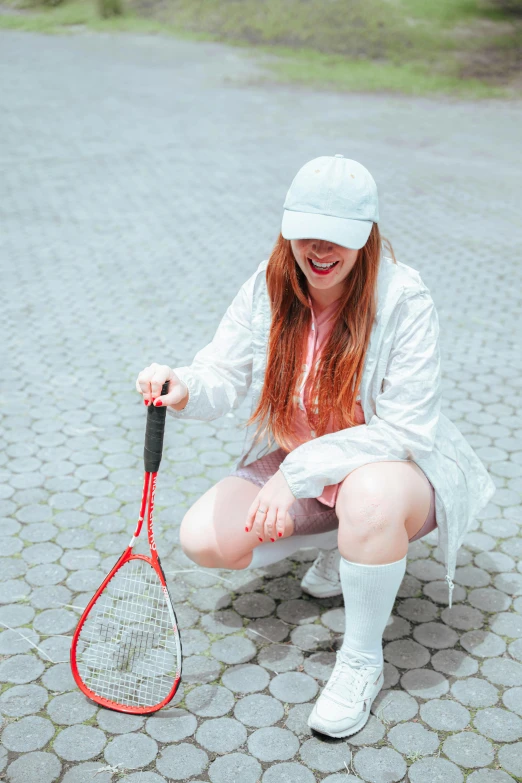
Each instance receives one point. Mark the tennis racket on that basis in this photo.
(126, 649)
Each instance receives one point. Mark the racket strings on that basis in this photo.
(128, 649)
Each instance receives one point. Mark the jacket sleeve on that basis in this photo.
(221, 373)
(407, 410)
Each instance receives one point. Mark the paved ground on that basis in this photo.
(142, 182)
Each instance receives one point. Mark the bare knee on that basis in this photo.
(200, 546)
(196, 545)
(366, 510)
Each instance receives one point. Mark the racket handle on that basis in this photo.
(154, 433)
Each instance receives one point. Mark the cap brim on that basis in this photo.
(341, 231)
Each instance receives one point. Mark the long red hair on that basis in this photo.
(336, 383)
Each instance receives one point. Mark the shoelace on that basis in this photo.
(348, 678)
(326, 563)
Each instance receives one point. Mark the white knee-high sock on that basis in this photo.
(369, 593)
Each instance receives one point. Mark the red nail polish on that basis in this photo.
(279, 534)
(260, 538)
(159, 404)
(146, 402)
(272, 539)
(246, 530)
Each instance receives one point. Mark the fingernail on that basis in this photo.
(272, 539)
(260, 538)
(158, 403)
(279, 534)
(146, 402)
(246, 530)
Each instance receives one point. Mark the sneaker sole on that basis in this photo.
(328, 594)
(347, 732)
(353, 729)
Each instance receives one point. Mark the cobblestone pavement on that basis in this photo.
(142, 182)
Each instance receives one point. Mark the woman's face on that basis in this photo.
(307, 250)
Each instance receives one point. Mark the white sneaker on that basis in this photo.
(343, 707)
(322, 578)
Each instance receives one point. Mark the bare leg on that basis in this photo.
(380, 506)
(213, 533)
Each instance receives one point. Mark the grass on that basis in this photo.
(317, 70)
(461, 48)
(448, 12)
(79, 13)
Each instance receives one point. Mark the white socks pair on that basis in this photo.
(369, 593)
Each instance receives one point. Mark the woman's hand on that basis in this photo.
(276, 498)
(150, 382)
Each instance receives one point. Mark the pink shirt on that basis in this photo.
(321, 326)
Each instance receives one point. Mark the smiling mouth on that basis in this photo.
(321, 269)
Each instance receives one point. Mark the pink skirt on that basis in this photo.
(309, 514)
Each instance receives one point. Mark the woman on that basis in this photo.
(371, 464)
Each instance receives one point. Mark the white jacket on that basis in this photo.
(400, 396)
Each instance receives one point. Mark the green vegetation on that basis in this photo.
(318, 70)
(109, 8)
(467, 48)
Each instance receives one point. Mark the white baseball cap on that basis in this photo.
(331, 198)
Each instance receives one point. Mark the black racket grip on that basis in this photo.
(154, 433)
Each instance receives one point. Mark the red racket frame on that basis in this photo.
(147, 499)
